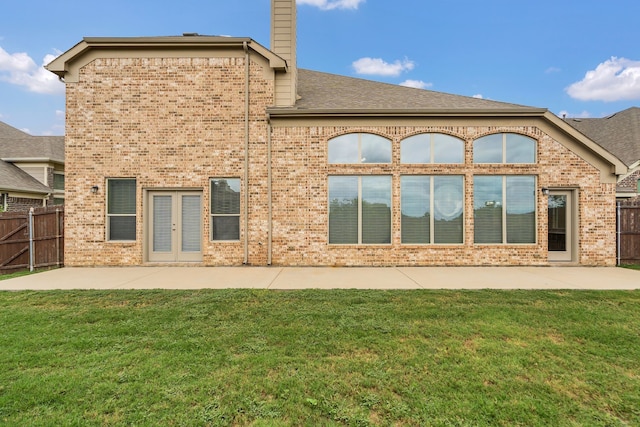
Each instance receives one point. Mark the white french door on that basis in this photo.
(175, 226)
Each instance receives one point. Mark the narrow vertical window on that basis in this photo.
(121, 209)
(225, 209)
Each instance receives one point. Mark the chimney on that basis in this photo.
(283, 44)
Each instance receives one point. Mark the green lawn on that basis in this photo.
(344, 357)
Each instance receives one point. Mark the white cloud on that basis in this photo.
(332, 4)
(378, 67)
(418, 84)
(19, 69)
(478, 96)
(552, 70)
(614, 80)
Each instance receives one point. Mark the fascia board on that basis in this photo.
(66, 65)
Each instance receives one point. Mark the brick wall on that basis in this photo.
(171, 124)
(300, 218)
(175, 123)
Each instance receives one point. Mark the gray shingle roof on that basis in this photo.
(618, 133)
(323, 91)
(15, 144)
(12, 178)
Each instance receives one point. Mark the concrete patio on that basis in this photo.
(594, 278)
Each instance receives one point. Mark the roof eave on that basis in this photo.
(60, 65)
(319, 113)
(31, 160)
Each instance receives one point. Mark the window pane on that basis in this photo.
(487, 209)
(162, 216)
(415, 205)
(226, 228)
(58, 181)
(375, 149)
(520, 149)
(121, 196)
(344, 149)
(448, 209)
(521, 205)
(488, 149)
(376, 209)
(416, 149)
(343, 209)
(447, 149)
(191, 213)
(122, 228)
(225, 196)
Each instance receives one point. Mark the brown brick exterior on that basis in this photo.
(175, 123)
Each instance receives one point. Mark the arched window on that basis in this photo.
(432, 148)
(359, 148)
(504, 148)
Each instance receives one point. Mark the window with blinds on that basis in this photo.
(432, 209)
(360, 209)
(504, 209)
(225, 209)
(121, 209)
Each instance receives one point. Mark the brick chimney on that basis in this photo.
(283, 44)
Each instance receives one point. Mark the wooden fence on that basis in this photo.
(629, 232)
(30, 240)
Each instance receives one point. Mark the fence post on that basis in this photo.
(618, 232)
(57, 237)
(31, 239)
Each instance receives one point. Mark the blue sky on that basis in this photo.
(574, 57)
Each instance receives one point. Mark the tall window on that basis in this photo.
(432, 148)
(360, 209)
(121, 209)
(432, 209)
(359, 148)
(504, 209)
(225, 209)
(504, 148)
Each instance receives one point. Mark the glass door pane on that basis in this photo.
(561, 226)
(558, 223)
(162, 223)
(191, 230)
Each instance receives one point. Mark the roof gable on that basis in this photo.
(12, 178)
(618, 133)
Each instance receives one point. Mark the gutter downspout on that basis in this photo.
(246, 153)
(270, 197)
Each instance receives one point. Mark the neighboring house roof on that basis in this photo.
(12, 178)
(618, 133)
(322, 91)
(18, 146)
